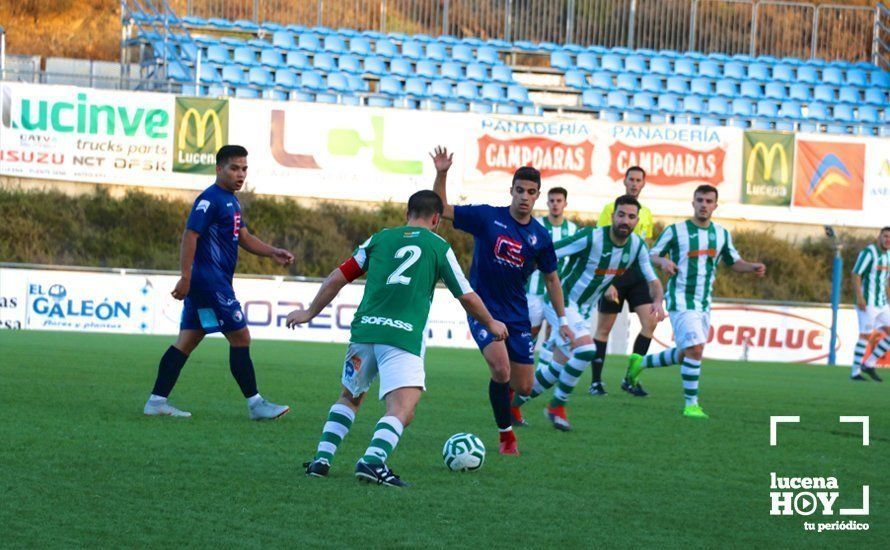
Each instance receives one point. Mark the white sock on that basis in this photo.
(251, 401)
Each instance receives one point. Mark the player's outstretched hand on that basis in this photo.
(668, 266)
(181, 290)
(282, 257)
(758, 269)
(297, 317)
(567, 335)
(498, 330)
(658, 312)
(612, 294)
(441, 159)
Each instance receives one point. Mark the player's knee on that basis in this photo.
(500, 373)
(523, 387)
(694, 352)
(351, 401)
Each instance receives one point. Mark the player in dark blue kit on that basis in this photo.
(208, 254)
(509, 246)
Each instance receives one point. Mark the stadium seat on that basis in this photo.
(377, 101)
(390, 87)
(233, 75)
(283, 40)
(189, 51)
(413, 50)
(427, 69)
(506, 109)
(453, 71)
(848, 95)
(593, 99)
(824, 93)
(463, 53)
(601, 80)
(817, 111)
(750, 90)
(880, 79)
(651, 83)
(857, 77)
(843, 112)
(810, 127)
(612, 63)
(685, 67)
(272, 58)
(635, 117)
(874, 96)
(502, 73)
(324, 62)
(868, 114)
(349, 63)
(487, 55)
(218, 54)
(401, 67)
(734, 70)
(441, 89)
(575, 79)
(790, 109)
(466, 91)
(436, 51)
(761, 124)
(784, 126)
(312, 80)
(561, 60)
(259, 76)
(701, 86)
(742, 107)
(832, 75)
(586, 61)
(245, 56)
(808, 75)
(360, 46)
(758, 71)
(643, 101)
(308, 42)
(661, 65)
(375, 66)
(386, 48)
(617, 100)
(481, 108)
(709, 69)
(800, 92)
(767, 108)
(677, 85)
(774, 90)
(286, 79)
(357, 83)
(335, 44)
(626, 82)
(718, 106)
(455, 107)
(610, 116)
(477, 72)
(635, 64)
(668, 103)
(209, 73)
(693, 104)
(726, 88)
(492, 92)
(339, 83)
(783, 73)
(518, 94)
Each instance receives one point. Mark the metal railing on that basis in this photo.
(764, 27)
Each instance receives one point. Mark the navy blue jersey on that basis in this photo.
(216, 216)
(505, 254)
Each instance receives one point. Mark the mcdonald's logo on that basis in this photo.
(201, 127)
(767, 170)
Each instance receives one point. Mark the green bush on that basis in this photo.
(143, 231)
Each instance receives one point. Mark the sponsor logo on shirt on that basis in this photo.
(203, 205)
(410, 234)
(499, 224)
(707, 252)
(237, 227)
(609, 271)
(509, 252)
(533, 240)
(387, 322)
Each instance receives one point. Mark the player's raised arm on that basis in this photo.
(254, 245)
(442, 161)
(186, 259)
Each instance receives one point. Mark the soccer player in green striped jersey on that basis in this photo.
(870, 283)
(559, 228)
(596, 256)
(689, 252)
(403, 265)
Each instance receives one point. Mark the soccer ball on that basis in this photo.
(463, 452)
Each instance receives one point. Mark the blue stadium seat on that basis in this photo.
(848, 95)
(857, 77)
(734, 70)
(357, 83)
(455, 107)
(823, 92)
(710, 120)
(808, 75)
(412, 49)
(761, 124)
(401, 67)
(390, 87)
(651, 83)
(502, 73)
(507, 109)
(270, 26)
(477, 72)
(790, 109)
(874, 96)
(493, 92)
(626, 82)
(561, 60)
(349, 63)
(283, 40)
(375, 66)
(635, 117)
(436, 51)
(271, 58)
(259, 76)
(246, 93)
(481, 108)
(286, 79)
(312, 80)
(427, 69)
(587, 61)
(677, 85)
(518, 94)
(784, 126)
(758, 71)
(487, 55)
(576, 79)
(452, 70)
(661, 65)
(245, 56)
(635, 64)
(701, 86)
(668, 103)
(810, 127)
(832, 75)
(774, 90)
(220, 22)
(610, 116)
(338, 82)
(693, 104)
(593, 99)
(718, 106)
(750, 90)
(617, 100)
(218, 54)
(209, 73)
(800, 92)
(843, 112)
(234, 75)
(742, 107)
(611, 62)
(643, 101)
(880, 79)
(685, 67)
(416, 87)
(441, 89)
(601, 80)
(868, 114)
(386, 48)
(376, 101)
(308, 42)
(296, 29)
(178, 73)
(322, 31)
(360, 46)
(710, 69)
(335, 44)
(189, 51)
(463, 53)
(817, 111)
(324, 62)
(767, 108)
(325, 97)
(726, 88)
(783, 73)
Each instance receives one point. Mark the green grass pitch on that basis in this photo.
(82, 466)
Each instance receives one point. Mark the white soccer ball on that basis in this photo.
(463, 452)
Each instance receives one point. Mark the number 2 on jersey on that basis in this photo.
(396, 277)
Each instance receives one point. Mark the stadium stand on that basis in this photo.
(459, 74)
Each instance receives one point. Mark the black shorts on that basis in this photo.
(631, 287)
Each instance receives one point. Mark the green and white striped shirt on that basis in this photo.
(696, 252)
(594, 261)
(874, 268)
(557, 232)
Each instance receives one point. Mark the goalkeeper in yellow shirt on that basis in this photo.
(631, 287)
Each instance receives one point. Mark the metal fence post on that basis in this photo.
(198, 74)
(508, 21)
(445, 17)
(631, 23)
(256, 11)
(2, 54)
(875, 40)
(753, 30)
(693, 16)
(815, 40)
(570, 22)
(837, 269)
(188, 7)
(318, 19)
(382, 15)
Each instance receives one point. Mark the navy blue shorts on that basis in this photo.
(212, 311)
(520, 344)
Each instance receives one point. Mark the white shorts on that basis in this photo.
(873, 318)
(397, 368)
(578, 324)
(690, 328)
(536, 305)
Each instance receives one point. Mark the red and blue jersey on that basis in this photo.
(216, 216)
(505, 255)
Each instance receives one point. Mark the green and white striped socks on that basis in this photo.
(858, 353)
(546, 375)
(339, 421)
(666, 358)
(568, 379)
(386, 437)
(690, 370)
(881, 348)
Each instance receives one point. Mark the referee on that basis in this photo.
(630, 287)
